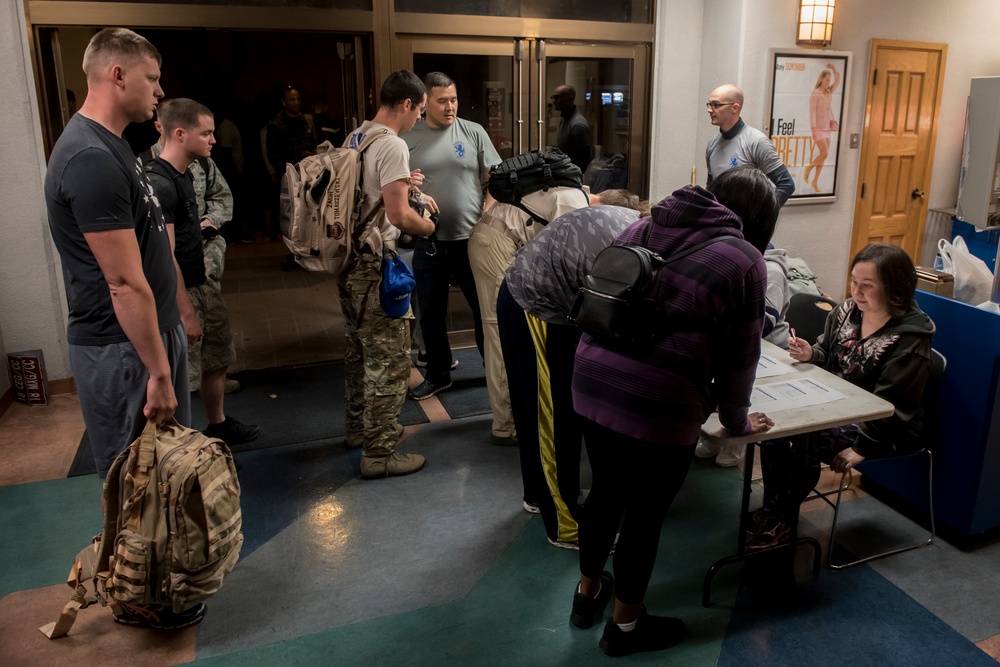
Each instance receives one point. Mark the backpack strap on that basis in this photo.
(362, 230)
(93, 564)
(154, 166)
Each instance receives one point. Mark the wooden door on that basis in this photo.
(897, 156)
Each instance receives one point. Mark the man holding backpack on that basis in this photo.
(126, 341)
(377, 358)
(188, 135)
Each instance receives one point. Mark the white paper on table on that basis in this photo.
(778, 396)
(769, 367)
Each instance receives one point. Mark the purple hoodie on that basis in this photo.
(665, 394)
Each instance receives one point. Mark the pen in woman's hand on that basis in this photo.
(795, 339)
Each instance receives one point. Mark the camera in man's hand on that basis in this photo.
(209, 232)
(418, 204)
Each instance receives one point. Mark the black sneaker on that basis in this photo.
(588, 610)
(504, 441)
(160, 618)
(651, 633)
(426, 389)
(232, 432)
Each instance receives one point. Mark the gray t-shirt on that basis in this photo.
(94, 183)
(547, 274)
(452, 161)
(749, 146)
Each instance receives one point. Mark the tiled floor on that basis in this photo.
(280, 317)
(443, 567)
(284, 317)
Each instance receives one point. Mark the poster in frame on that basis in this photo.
(808, 92)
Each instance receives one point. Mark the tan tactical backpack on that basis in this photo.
(172, 526)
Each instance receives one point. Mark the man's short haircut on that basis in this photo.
(896, 271)
(320, 98)
(180, 113)
(750, 194)
(400, 86)
(120, 43)
(438, 80)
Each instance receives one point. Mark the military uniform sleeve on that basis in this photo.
(218, 197)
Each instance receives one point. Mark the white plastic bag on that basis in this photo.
(973, 279)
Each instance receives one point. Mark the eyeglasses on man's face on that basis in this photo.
(717, 105)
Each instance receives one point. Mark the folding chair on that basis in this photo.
(938, 366)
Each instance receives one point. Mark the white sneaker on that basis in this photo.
(705, 450)
(730, 457)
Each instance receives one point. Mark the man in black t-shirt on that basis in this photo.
(188, 129)
(126, 343)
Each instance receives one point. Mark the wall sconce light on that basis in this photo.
(815, 26)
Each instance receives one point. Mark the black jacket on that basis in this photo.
(893, 363)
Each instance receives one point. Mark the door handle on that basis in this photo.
(917, 193)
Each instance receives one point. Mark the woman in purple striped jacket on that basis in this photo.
(646, 407)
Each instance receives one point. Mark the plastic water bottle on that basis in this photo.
(938, 263)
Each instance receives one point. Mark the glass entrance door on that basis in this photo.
(488, 78)
(610, 84)
(506, 85)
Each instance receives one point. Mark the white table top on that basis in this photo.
(857, 405)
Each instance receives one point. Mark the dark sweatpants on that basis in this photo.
(522, 383)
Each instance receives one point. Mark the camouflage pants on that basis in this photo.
(215, 349)
(376, 362)
(215, 264)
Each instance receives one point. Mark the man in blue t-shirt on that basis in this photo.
(127, 346)
(454, 157)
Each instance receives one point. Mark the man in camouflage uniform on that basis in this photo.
(215, 209)
(377, 358)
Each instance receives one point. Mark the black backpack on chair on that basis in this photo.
(530, 172)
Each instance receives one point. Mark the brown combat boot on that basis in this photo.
(394, 465)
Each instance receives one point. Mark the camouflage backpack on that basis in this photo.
(172, 526)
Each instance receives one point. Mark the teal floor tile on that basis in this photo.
(46, 524)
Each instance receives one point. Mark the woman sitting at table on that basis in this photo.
(644, 408)
(879, 340)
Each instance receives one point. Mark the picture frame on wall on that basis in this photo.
(808, 93)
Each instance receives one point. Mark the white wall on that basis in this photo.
(821, 233)
(32, 307)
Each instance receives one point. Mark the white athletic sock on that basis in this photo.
(627, 627)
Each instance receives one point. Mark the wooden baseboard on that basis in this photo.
(63, 386)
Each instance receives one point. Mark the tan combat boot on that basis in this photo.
(394, 465)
